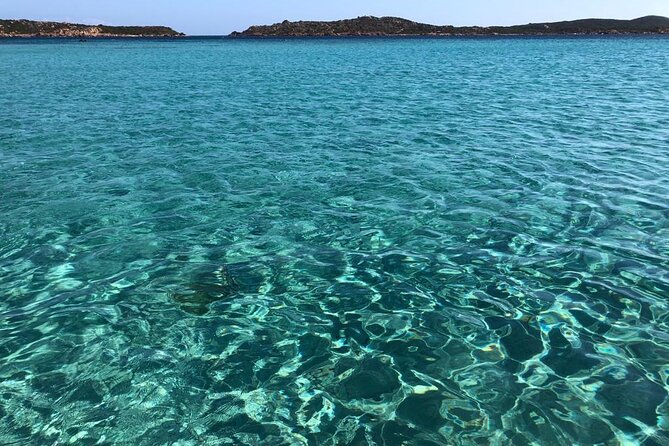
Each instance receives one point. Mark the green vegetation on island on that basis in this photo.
(393, 26)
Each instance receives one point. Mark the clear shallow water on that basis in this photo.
(328, 242)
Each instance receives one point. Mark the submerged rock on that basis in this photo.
(370, 379)
(206, 289)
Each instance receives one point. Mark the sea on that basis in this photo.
(353, 241)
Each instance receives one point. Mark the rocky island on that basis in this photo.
(394, 26)
(30, 28)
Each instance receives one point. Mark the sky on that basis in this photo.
(216, 17)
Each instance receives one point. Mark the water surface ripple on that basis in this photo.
(330, 242)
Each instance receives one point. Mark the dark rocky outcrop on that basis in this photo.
(29, 28)
(393, 26)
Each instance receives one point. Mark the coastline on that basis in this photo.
(434, 36)
(360, 27)
(369, 26)
(96, 37)
(186, 38)
(22, 28)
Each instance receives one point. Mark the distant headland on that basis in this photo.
(394, 26)
(30, 28)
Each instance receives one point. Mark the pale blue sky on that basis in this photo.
(224, 16)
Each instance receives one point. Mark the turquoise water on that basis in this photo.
(330, 242)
